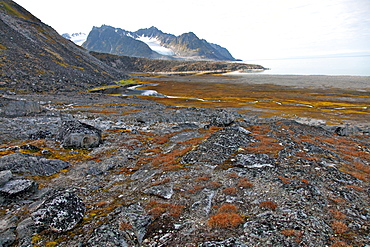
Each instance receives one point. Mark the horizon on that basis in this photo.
(249, 30)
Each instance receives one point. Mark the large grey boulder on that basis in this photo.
(74, 134)
(29, 164)
(61, 212)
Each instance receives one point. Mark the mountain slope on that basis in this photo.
(146, 43)
(33, 56)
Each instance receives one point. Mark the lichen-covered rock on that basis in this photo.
(74, 134)
(61, 212)
(28, 164)
(16, 188)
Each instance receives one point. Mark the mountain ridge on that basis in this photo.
(185, 46)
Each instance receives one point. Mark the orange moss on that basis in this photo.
(228, 208)
(166, 180)
(161, 139)
(233, 175)
(268, 204)
(102, 111)
(124, 226)
(159, 208)
(339, 227)
(226, 217)
(337, 199)
(339, 243)
(338, 215)
(214, 185)
(202, 178)
(285, 180)
(244, 183)
(230, 191)
(288, 232)
(360, 189)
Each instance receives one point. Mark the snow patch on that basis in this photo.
(78, 38)
(155, 45)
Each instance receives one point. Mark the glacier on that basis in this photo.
(155, 45)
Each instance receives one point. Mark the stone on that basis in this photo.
(29, 164)
(61, 212)
(30, 147)
(222, 119)
(15, 188)
(256, 160)
(5, 176)
(161, 191)
(74, 134)
(7, 238)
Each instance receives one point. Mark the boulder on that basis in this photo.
(161, 191)
(74, 134)
(18, 188)
(222, 119)
(61, 212)
(29, 164)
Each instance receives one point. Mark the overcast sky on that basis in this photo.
(249, 29)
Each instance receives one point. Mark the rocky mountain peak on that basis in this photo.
(186, 46)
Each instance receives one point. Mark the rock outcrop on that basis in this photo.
(31, 164)
(60, 213)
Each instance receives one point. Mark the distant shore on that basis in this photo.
(297, 81)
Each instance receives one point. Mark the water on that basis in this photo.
(339, 65)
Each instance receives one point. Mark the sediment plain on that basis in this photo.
(258, 160)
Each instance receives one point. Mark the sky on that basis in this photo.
(249, 29)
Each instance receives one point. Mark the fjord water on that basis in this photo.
(351, 65)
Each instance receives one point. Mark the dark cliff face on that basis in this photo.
(186, 46)
(33, 56)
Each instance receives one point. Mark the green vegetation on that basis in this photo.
(118, 84)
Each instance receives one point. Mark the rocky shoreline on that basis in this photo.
(95, 170)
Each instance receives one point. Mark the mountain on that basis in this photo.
(35, 57)
(77, 38)
(153, 43)
(117, 41)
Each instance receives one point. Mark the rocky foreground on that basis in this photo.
(93, 170)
